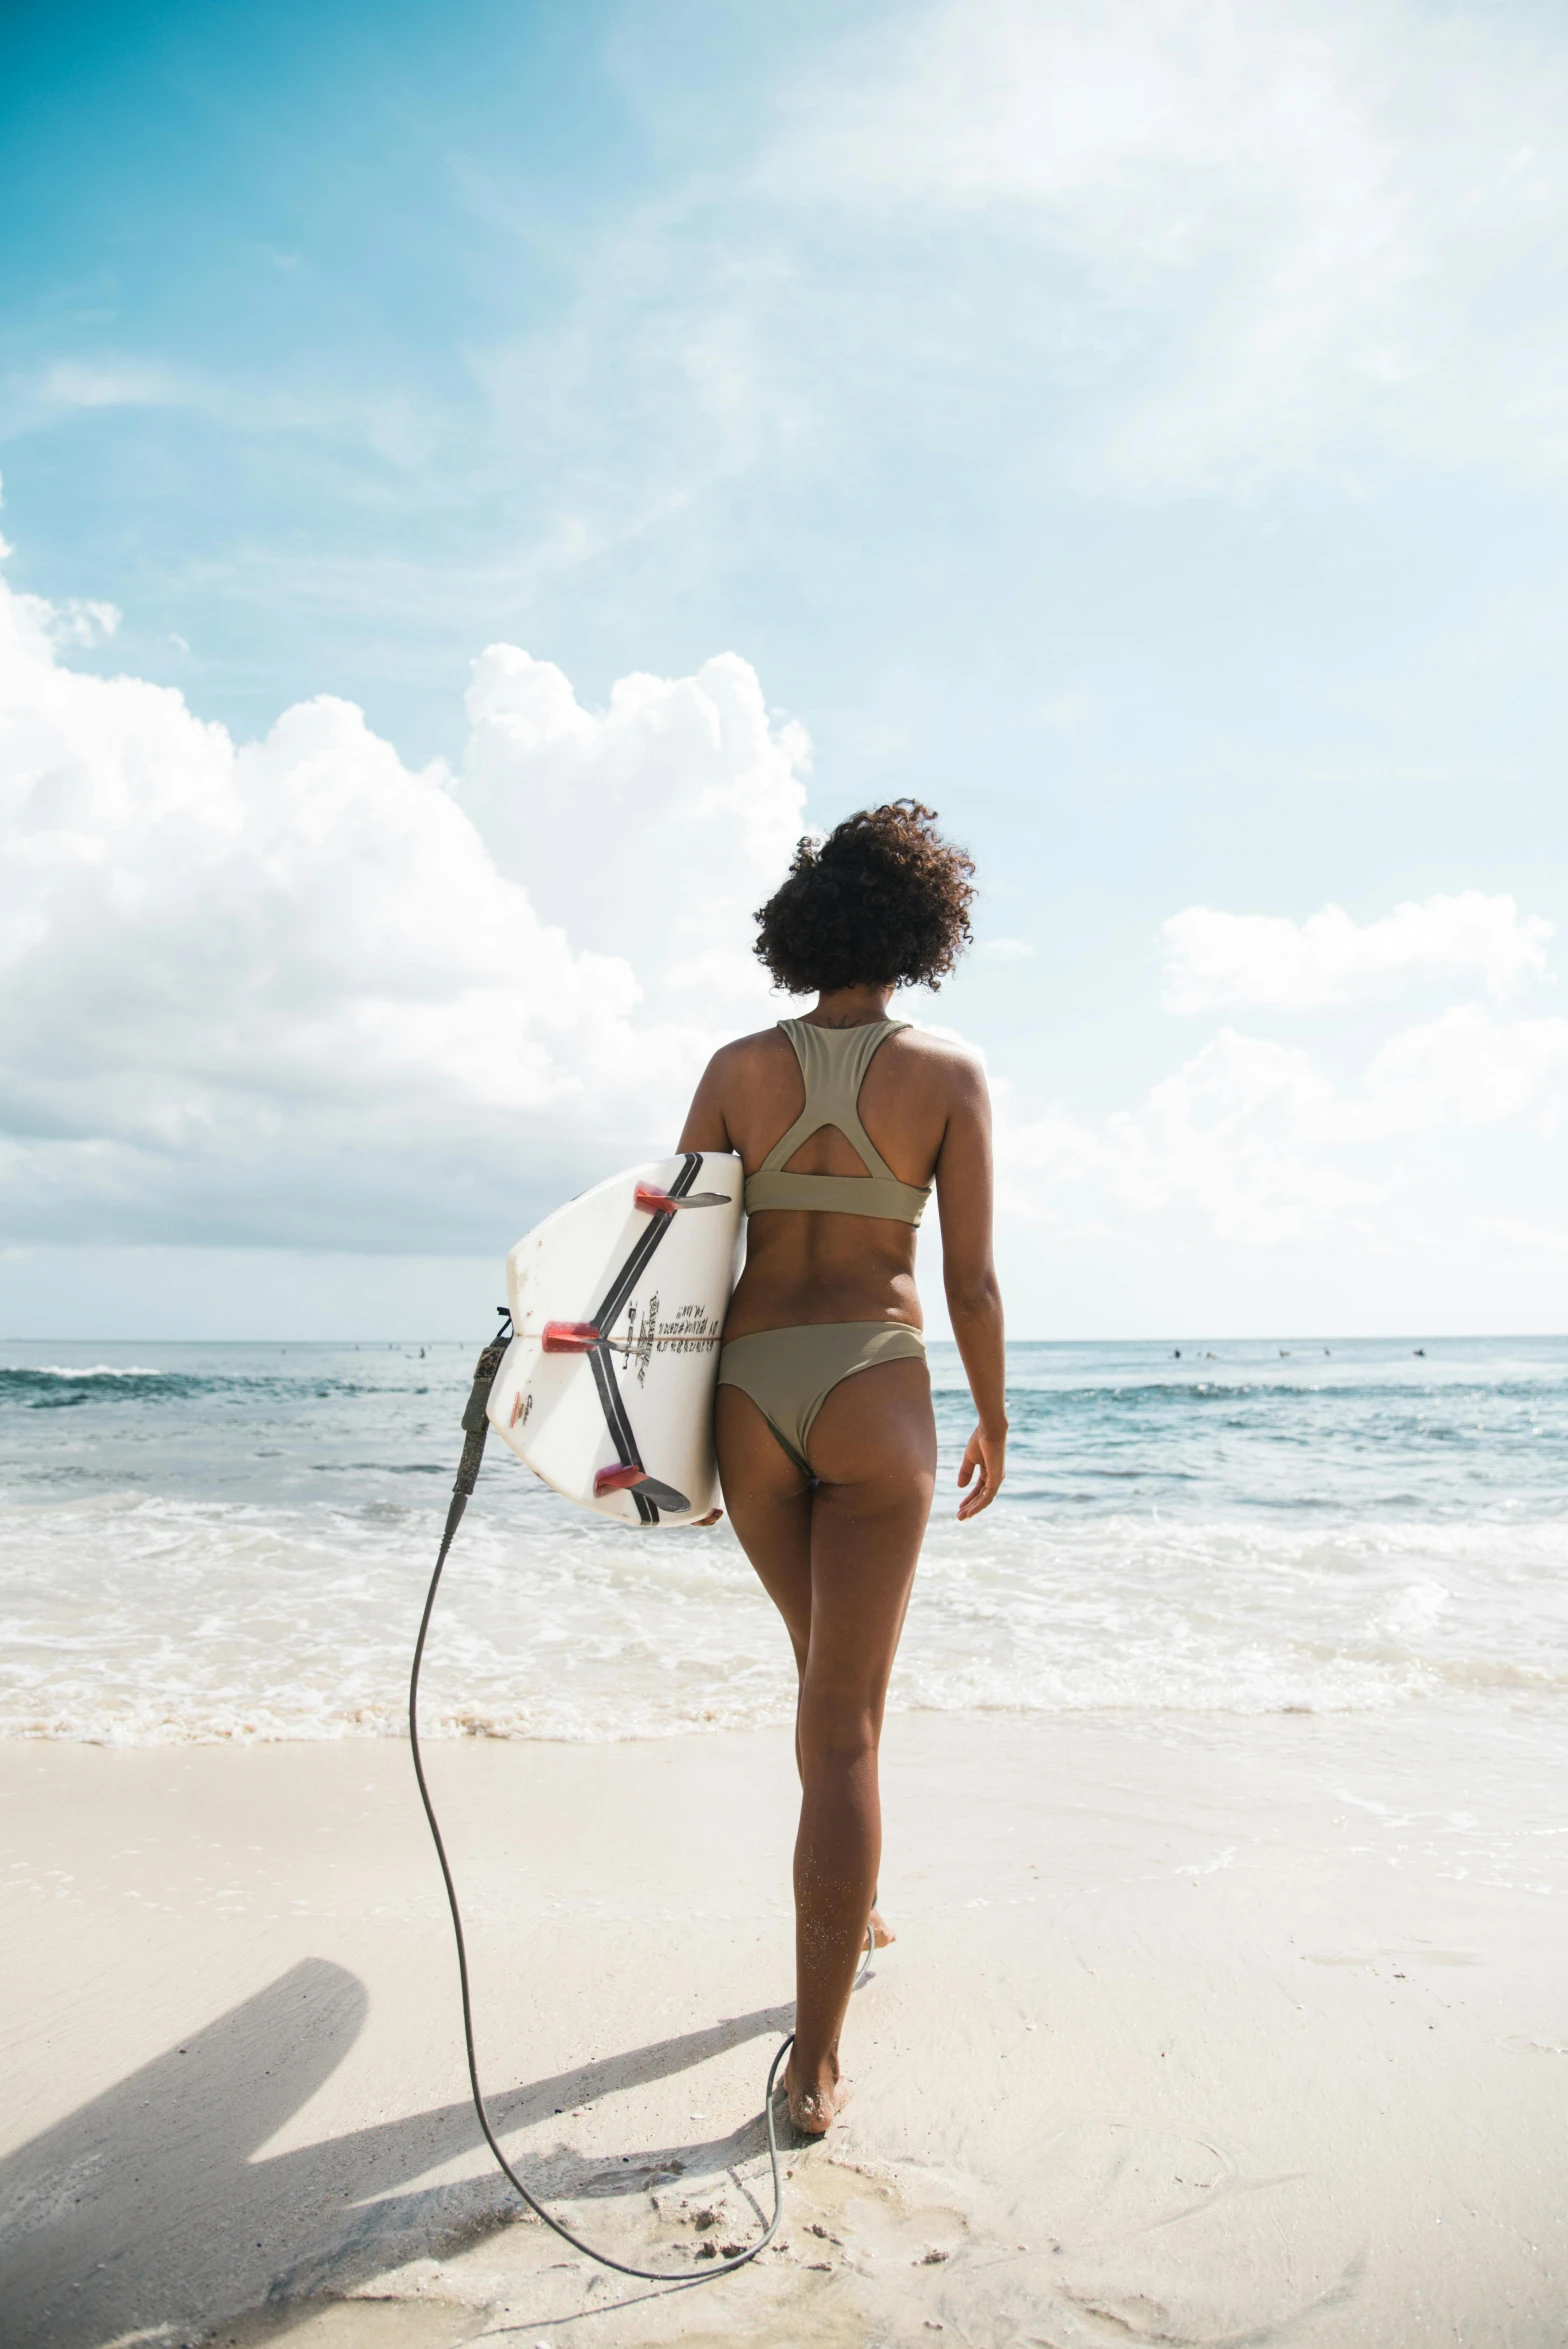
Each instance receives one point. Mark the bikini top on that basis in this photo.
(833, 1063)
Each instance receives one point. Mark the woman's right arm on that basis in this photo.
(974, 1300)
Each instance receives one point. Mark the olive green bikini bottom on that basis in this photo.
(790, 1373)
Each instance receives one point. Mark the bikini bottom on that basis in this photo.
(790, 1373)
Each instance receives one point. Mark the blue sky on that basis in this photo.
(1138, 430)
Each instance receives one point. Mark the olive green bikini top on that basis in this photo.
(833, 1063)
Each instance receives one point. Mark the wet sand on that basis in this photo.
(1230, 2032)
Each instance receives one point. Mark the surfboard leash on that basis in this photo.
(476, 1427)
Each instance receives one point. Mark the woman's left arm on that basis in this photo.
(705, 1128)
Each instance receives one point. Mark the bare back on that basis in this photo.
(923, 1104)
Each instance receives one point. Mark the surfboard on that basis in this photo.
(617, 1301)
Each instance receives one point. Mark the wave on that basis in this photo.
(53, 1385)
(1179, 1394)
(233, 1543)
(55, 1388)
(142, 1619)
(541, 1720)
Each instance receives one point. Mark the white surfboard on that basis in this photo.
(617, 1302)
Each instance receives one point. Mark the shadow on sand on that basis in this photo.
(144, 2215)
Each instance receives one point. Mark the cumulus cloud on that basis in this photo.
(1214, 960)
(1527, 1235)
(1256, 1139)
(1465, 1067)
(661, 823)
(1285, 233)
(291, 990)
(1234, 1134)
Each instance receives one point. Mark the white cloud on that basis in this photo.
(652, 832)
(1232, 1134)
(396, 425)
(74, 620)
(1253, 1137)
(1464, 1067)
(1216, 959)
(1283, 233)
(1527, 1235)
(290, 990)
(68, 386)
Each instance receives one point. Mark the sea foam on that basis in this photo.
(233, 1543)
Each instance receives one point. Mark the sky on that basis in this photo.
(480, 481)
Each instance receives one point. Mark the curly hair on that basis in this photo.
(882, 901)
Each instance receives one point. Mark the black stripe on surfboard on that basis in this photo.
(605, 1318)
(637, 1262)
(620, 1428)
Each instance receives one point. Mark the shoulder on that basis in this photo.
(943, 1058)
(735, 1086)
(744, 1053)
(737, 1068)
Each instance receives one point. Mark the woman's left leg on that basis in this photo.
(838, 1560)
(873, 1447)
(770, 1505)
(769, 1501)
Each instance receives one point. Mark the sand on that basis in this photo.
(1234, 2033)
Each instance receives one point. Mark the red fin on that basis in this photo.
(569, 1337)
(654, 1202)
(617, 1480)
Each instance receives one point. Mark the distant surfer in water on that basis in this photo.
(844, 1121)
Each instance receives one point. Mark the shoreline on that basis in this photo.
(1193, 2033)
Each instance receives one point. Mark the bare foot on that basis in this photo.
(882, 1932)
(814, 2104)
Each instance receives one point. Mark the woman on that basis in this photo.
(826, 1442)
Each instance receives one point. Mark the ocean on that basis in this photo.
(232, 1542)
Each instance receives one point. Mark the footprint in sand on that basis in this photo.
(1163, 2238)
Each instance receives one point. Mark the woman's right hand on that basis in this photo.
(988, 1454)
